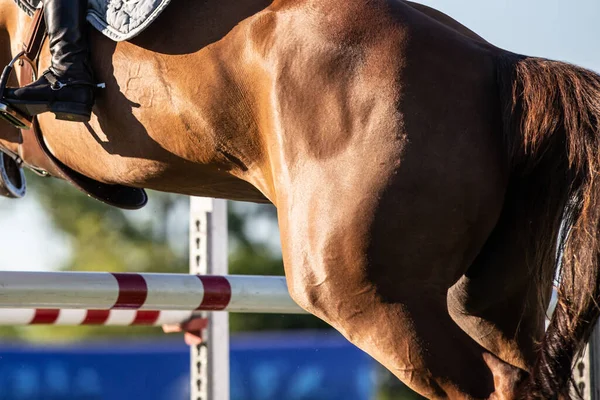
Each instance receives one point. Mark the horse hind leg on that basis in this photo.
(501, 300)
(416, 339)
(390, 300)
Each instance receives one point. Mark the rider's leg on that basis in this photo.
(67, 87)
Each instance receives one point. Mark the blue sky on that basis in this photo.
(557, 29)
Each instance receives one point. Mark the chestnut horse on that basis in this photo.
(424, 178)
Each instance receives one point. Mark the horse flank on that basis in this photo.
(551, 116)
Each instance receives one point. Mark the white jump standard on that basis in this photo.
(179, 292)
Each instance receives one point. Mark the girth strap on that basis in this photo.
(29, 149)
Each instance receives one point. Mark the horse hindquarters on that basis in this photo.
(372, 249)
(551, 120)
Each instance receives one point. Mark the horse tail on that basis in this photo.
(551, 117)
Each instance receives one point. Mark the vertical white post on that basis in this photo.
(209, 372)
(587, 369)
(594, 364)
(581, 374)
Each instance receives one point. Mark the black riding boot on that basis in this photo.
(67, 88)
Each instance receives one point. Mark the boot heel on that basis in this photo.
(71, 111)
(72, 117)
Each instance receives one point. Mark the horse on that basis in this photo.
(429, 185)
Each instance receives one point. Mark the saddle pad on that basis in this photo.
(117, 19)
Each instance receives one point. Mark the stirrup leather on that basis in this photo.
(31, 49)
(8, 112)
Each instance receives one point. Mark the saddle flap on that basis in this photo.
(35, 36)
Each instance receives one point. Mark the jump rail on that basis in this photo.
(178, 292)
(68, 317)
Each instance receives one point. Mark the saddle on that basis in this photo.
(117, 19)
(33, 152)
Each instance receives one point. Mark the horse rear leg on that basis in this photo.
(385, 289)
(416, 339)
(501, 301)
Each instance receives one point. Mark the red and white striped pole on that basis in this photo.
(129, 291)
(69, 317)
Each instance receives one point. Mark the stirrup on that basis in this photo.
(8, 112)
(14, 117)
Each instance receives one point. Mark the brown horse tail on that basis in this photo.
(551, 117)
